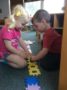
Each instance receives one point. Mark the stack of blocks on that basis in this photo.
(33, 68)
(32, 82)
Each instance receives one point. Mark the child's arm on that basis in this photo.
(25, 47)
(13, 50)
(40, 55)
(23, 44)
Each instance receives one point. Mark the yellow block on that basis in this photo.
(34, 72)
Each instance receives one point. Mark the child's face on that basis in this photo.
(20, 22)
(39, 26)
(20, 25)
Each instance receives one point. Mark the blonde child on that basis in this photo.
(11, 40)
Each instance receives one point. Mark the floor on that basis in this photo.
(13, 79)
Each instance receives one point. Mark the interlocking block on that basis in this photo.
(34, 72)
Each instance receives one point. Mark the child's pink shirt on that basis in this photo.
(12, 35)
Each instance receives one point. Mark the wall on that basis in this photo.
(5, 6)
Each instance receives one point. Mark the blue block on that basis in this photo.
(31, 80)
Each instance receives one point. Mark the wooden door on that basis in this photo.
(63, 64)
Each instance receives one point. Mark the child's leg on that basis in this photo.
(16, 61)
(50, 61)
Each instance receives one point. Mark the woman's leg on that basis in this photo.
(16, 61)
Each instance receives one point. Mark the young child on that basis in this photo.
(49, 56)
(12, 47)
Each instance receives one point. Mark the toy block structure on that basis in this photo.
(33, 68)
(32, 83)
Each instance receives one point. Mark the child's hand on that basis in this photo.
(33, 58)
(23, 54)
(28, 54)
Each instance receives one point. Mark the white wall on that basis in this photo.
(32, 7)
(54, 6)
(5, 6)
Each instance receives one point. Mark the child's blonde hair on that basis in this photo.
(21, 13)
(19, 16)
